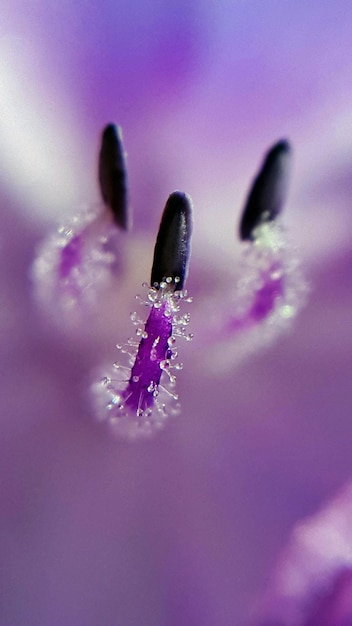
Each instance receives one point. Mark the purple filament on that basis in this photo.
(70, 256)
(265, 300)
(262, 305)
(147, 369)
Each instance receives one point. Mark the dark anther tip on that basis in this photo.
(112, 174)
(173, 244)
(269, 189)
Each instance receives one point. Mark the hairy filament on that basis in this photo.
(75, 264)
(138, 402)
(264, 301)
(269, 294)
(153, 351)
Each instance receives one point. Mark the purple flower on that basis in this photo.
(184, 528)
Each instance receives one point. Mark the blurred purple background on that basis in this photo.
(184, 529)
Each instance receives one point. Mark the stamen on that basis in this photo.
(271, 289)
(77, 263)
(268, 192)
(113, 176)
(140, 406)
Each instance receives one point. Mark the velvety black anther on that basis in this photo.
(172, 248)
(269, 190)
(113, 176)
